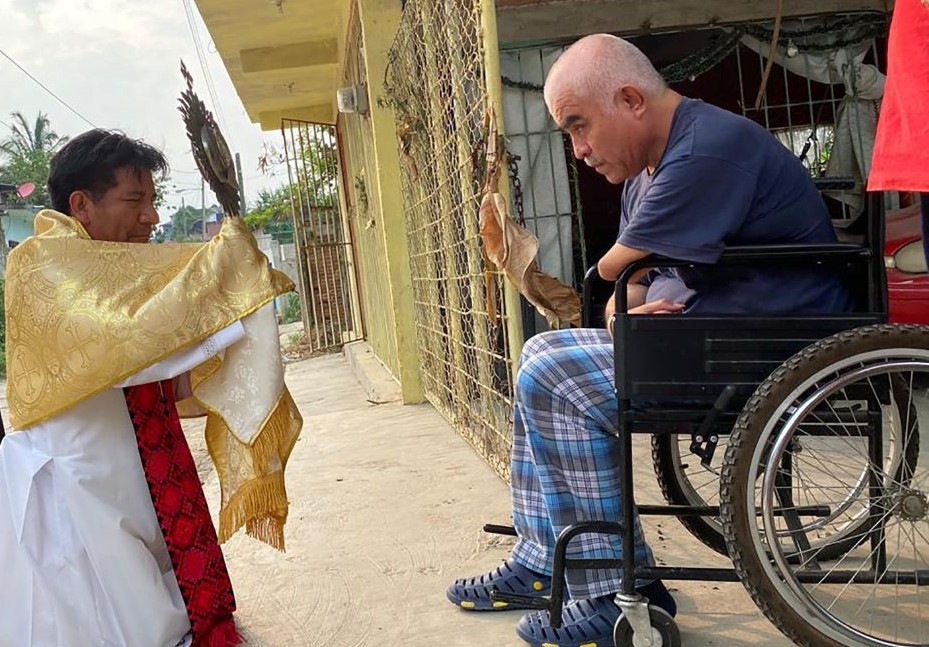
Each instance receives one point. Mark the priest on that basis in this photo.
(105, 535)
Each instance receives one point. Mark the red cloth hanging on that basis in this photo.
(183, 515)
(901, 150)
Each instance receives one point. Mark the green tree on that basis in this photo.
(314, 167)
(161, 191)
(181, 221)
(25, 154)
(271, 205)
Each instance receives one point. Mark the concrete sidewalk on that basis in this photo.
(387, 504)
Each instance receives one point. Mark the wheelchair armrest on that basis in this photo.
(802, 254)
(806, 254)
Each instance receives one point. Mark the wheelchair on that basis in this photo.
(789, 443)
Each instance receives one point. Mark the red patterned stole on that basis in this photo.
(183, 514)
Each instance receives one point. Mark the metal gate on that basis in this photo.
(322, 241)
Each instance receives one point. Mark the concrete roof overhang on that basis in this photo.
(525, 22)
(282, 55)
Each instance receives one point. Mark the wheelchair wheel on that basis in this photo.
(684, 481)
(664, 631)
(826, 454)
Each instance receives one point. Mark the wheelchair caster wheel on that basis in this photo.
(664, 631)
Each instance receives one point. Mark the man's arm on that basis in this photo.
(635, 297)
(616, 259)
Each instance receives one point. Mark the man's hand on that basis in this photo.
(659, 307)
(926, 3)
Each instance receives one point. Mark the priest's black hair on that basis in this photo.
(89, 163)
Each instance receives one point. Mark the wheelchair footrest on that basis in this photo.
(497, 529)
(531, 601)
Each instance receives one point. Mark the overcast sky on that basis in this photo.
(116, 62)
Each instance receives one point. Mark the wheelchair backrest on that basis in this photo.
(689, 360)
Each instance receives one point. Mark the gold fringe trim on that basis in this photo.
(279, 432)
(260, 503)
(269, 529)
(261, 506)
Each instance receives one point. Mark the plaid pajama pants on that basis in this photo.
(565, 462)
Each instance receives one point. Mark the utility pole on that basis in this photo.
(238, 169)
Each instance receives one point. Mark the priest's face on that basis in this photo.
(124, 214)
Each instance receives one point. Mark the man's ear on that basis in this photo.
(631, 98)
(80, 205)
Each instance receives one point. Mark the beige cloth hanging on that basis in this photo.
(513, 249)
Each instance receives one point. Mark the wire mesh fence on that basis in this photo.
(437, 88)
(323, 249)
(821, 99)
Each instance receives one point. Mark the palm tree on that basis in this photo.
(25, 155)
(26, 139)
(26, 152)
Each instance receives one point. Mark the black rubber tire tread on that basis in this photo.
(745, 435)
(673, 491)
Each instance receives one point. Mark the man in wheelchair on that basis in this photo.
(698, 178)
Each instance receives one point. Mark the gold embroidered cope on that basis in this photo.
(88, 314)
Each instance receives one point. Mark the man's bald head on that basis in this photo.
(596, 66)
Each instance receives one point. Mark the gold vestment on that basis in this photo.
(83, 315)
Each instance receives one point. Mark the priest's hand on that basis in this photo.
(182, 387)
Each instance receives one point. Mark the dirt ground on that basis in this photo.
(387, 505)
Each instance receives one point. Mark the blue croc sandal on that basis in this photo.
(588, 622)
(583, 622)
(473, 593)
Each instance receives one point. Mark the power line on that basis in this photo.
(44, 87)
(204, 64)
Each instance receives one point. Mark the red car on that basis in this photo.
(907, 275)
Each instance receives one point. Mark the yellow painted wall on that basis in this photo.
(364, 212)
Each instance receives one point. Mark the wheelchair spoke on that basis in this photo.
(838, 429)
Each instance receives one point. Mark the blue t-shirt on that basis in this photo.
(724, 180)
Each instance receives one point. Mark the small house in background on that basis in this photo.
(382, 106)
(214, 221)
(17, 224)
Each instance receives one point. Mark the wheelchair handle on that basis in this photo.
(587, 305)
(834, 183)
